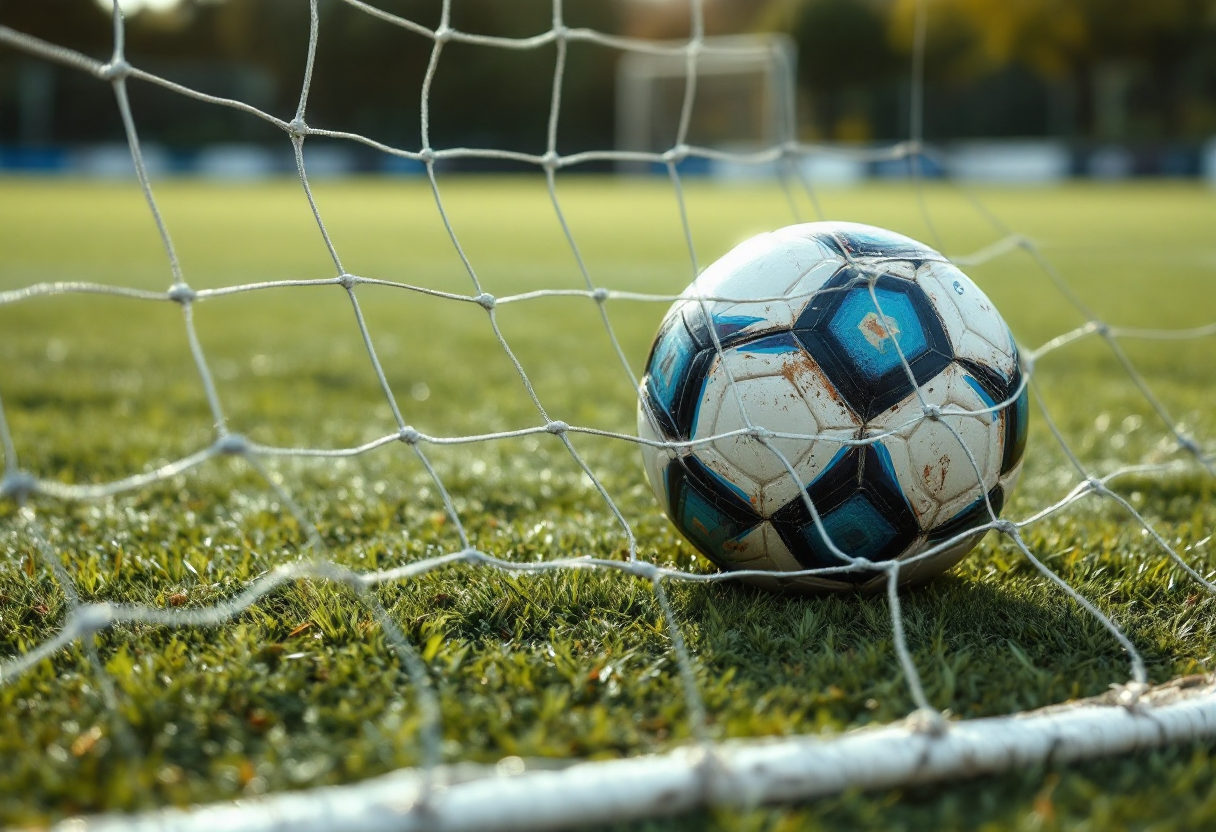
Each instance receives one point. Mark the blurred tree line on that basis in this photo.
(1083, 69)
(1099, 70)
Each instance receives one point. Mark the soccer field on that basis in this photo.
(301, 690)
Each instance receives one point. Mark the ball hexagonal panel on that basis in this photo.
(975, 329)
(854, 339)
(784, 391)
(861, 510)
(761, 270)
(935, 471)
(708, 510)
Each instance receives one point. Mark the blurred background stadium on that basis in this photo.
(1032, 90)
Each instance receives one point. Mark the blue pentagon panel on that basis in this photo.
(870, 337)
(844, 332)
(971, 517)
(856, 528)
(675, 375)
(707, 510)
(862, 509)
(674, 351)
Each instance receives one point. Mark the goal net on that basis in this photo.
(292, 558)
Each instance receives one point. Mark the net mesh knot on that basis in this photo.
(232, 444)
(92, 618)
(18, 486)
(486, 301)
(181, 293)
(645, 570)
(928, 722)
(676, 155)
(1006, 527)
(117, 70)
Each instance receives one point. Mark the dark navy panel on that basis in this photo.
(1016, 415)
(672, 355)
(862, 508)
(771, 344)
(1017, 422)
(843, 332)
(996, 387)
(729, 328)
(675, 376)
(875, 242)
(969, 518)
(707, 509)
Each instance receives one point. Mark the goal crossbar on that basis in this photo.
(742, 774)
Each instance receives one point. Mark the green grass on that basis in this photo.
(301, 689)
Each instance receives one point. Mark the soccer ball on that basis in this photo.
(786, 329)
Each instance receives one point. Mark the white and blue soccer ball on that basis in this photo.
(799, 342)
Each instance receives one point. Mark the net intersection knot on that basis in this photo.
(928, 722)
(932, 412)
(676, 155)
(92, 618)
(232, 444)
(1005, 527)
(18, 486)
(557, 427)
(486, 301)
(1096, 485)
(181, 293)
(409, 435)
(644, 569)
(118, 70)
(1131, 696)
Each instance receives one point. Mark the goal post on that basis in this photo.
(742, 99)
(511, 797)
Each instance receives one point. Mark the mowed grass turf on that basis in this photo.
(301, 689)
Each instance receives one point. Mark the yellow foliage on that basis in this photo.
(1043, 34)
